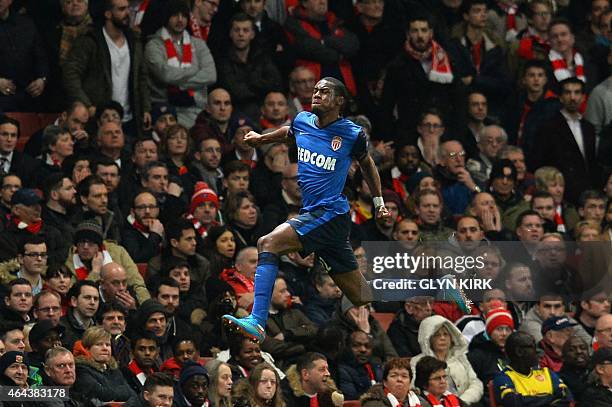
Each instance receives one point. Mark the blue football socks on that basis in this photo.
(265, 276)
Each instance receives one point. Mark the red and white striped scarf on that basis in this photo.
(413, 399)
(197, 30)
(510, 10)
(560, 68)
(143, 229)
(140, 375)
(199, 226)
(441, 71)
(33, 228)
(448, 400)
(81, 271)
(173, 59)
(142, 9)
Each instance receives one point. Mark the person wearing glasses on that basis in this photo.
(47, 306)
(143, 233)
(32, 258)
(431, 378)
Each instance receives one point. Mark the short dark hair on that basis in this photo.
(29, 239)
(467, 5)
(140, 140)
(192, 337)
(571, 81)
(51, 135)
(111, 306)
(17, 281)
(146, 170)
(241, 18)
(8, 326)
(419, 17)
(57, 269)
(534, 63)
(235, 166)
(522, 215)
(53, 183)
(86, 183)
(561, 21)
(307, 361)
(174, 230)
(541, 195)
(157, 379)
(590, 194)
(140, 335)
(110, 105)
(170, 282)
(175, 7)
(424, 368)
(75, 290)
(4, 119)
(529, 10)
(103, 161)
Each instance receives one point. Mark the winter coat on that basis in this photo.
(486, 358)
(320, 310)
(353, 378)
(100, 383)
(295, 397)
(140, 247)
(596, 396)
(87, 73)
(376, 397)
(403, 333)
(297, 329)
(469, 387)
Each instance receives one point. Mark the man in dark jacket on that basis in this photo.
(192, 386)
(107, 64)
(84, 301)
(320, 306)
(158, 391)
(357, 372)
(310, 379)
(600, 393)
(12, 161)
(575, 370)
(60, 195)
(404, 329)
(60, 371)
(143, 233)
(143, 365)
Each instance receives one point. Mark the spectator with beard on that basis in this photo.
(143, 234)
(120, 75)
(193, 300)
(575, 370)
(60, 193)
(502, 185)
(163, 116)
(288, 331)
(167, 294)
(93, 196)
(323, 302)
(206, 166)
(456, 183)
(404, 329)
(113, 318)
(357, 371)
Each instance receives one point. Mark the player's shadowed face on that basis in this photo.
(325, 98)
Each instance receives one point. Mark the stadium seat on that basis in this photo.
(30, 123)
(142, 269)
(351, 403)
(384, 318)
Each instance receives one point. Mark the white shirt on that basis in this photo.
(574, 125)
(5, 161)
(120, 71)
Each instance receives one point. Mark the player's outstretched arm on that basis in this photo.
(372, 178)
(280, 135)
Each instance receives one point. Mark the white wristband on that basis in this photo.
(378, 201)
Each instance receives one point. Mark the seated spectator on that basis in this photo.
(185, 348)
(574, 371)
(438, 337)
(522, 384)
(12, 161)
(456, 183)
(351, 318)
(288, 331)
(77, 168)
(321, 305)
(592, 205)
(220, 248)
(533, 41)
(32, 257)
(214, 120)
(432, 380)
(429, 206)
(274, 111)
(472, 325)
(204, 209)
(551, 180)
(243, 217)
(503, 187)
(406, 230)
(26, 222)
(544, 204)
(517, 281)
(113, 318)
(244, 356)
(60, 195)
(506, 19)
(220, 388)
(177, 148)
(239, 149)
(266, 178)
(143, 364)
(98, 376)
(599, 394)
(192, 301)
(143, 234)
(60, 371)
(477, 119)
(310, 379)
(109, 171)
(57, 145)
(395, 389)
(548, 305)
(242, 276)
(152, 316)
(526, 180)
(12, 337)
(169, 194)
(17, 302)
(245, 69)
(491, 139)
(603, 332)
(42, 337)
(264, 389)
(192, 387)
(381, 229)
(590, 309)
(84, 302)
(10, 184)
(357, 372)
(47, 306)
(404, 329)
(157, 391)
(206, 166)
(163, 116)
(113, 287)
(91, 253)
(408, 162)
(180, 64)
(487, 353)
(93, 196)
(301, 84)
(237, 177)
(14, 370)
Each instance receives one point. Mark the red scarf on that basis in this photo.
(173, 61)
(476, 52)
(33, 228)
(510, 10)
(198, 30)
(183, 170)
(399, 183)
(448, 400)
(441, 71)
(267, 124)
(371, 375)
(138, 226)
(142, 8)
(525, 48)
(81, 270)
(314, 401)
(137, 371)
(560, 68)
(413, 399)
(199, 227)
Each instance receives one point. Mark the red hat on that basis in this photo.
(496, 318)
(202, 194)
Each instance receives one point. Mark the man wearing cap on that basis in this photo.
(91, 252)
(181, 65)
(143, 233)
(192, 386)
(13, 370)
(599, 394)
(152, 316)
(163, 115)
(555, 332)
(203, 208)
(43, 336)
(26, 221)
(522, 383)
(487, 353)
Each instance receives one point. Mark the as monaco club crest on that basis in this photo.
(336, 143)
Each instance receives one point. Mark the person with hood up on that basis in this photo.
(439, 338)
(152, 316)
(191, 390)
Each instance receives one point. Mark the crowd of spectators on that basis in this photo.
(129, 225)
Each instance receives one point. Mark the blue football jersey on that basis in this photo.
(324, 156)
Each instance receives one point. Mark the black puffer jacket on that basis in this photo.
(404, 334)
(487, 359)
(97, 382)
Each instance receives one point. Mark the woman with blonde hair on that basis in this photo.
(98, 377)
(551, 180)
